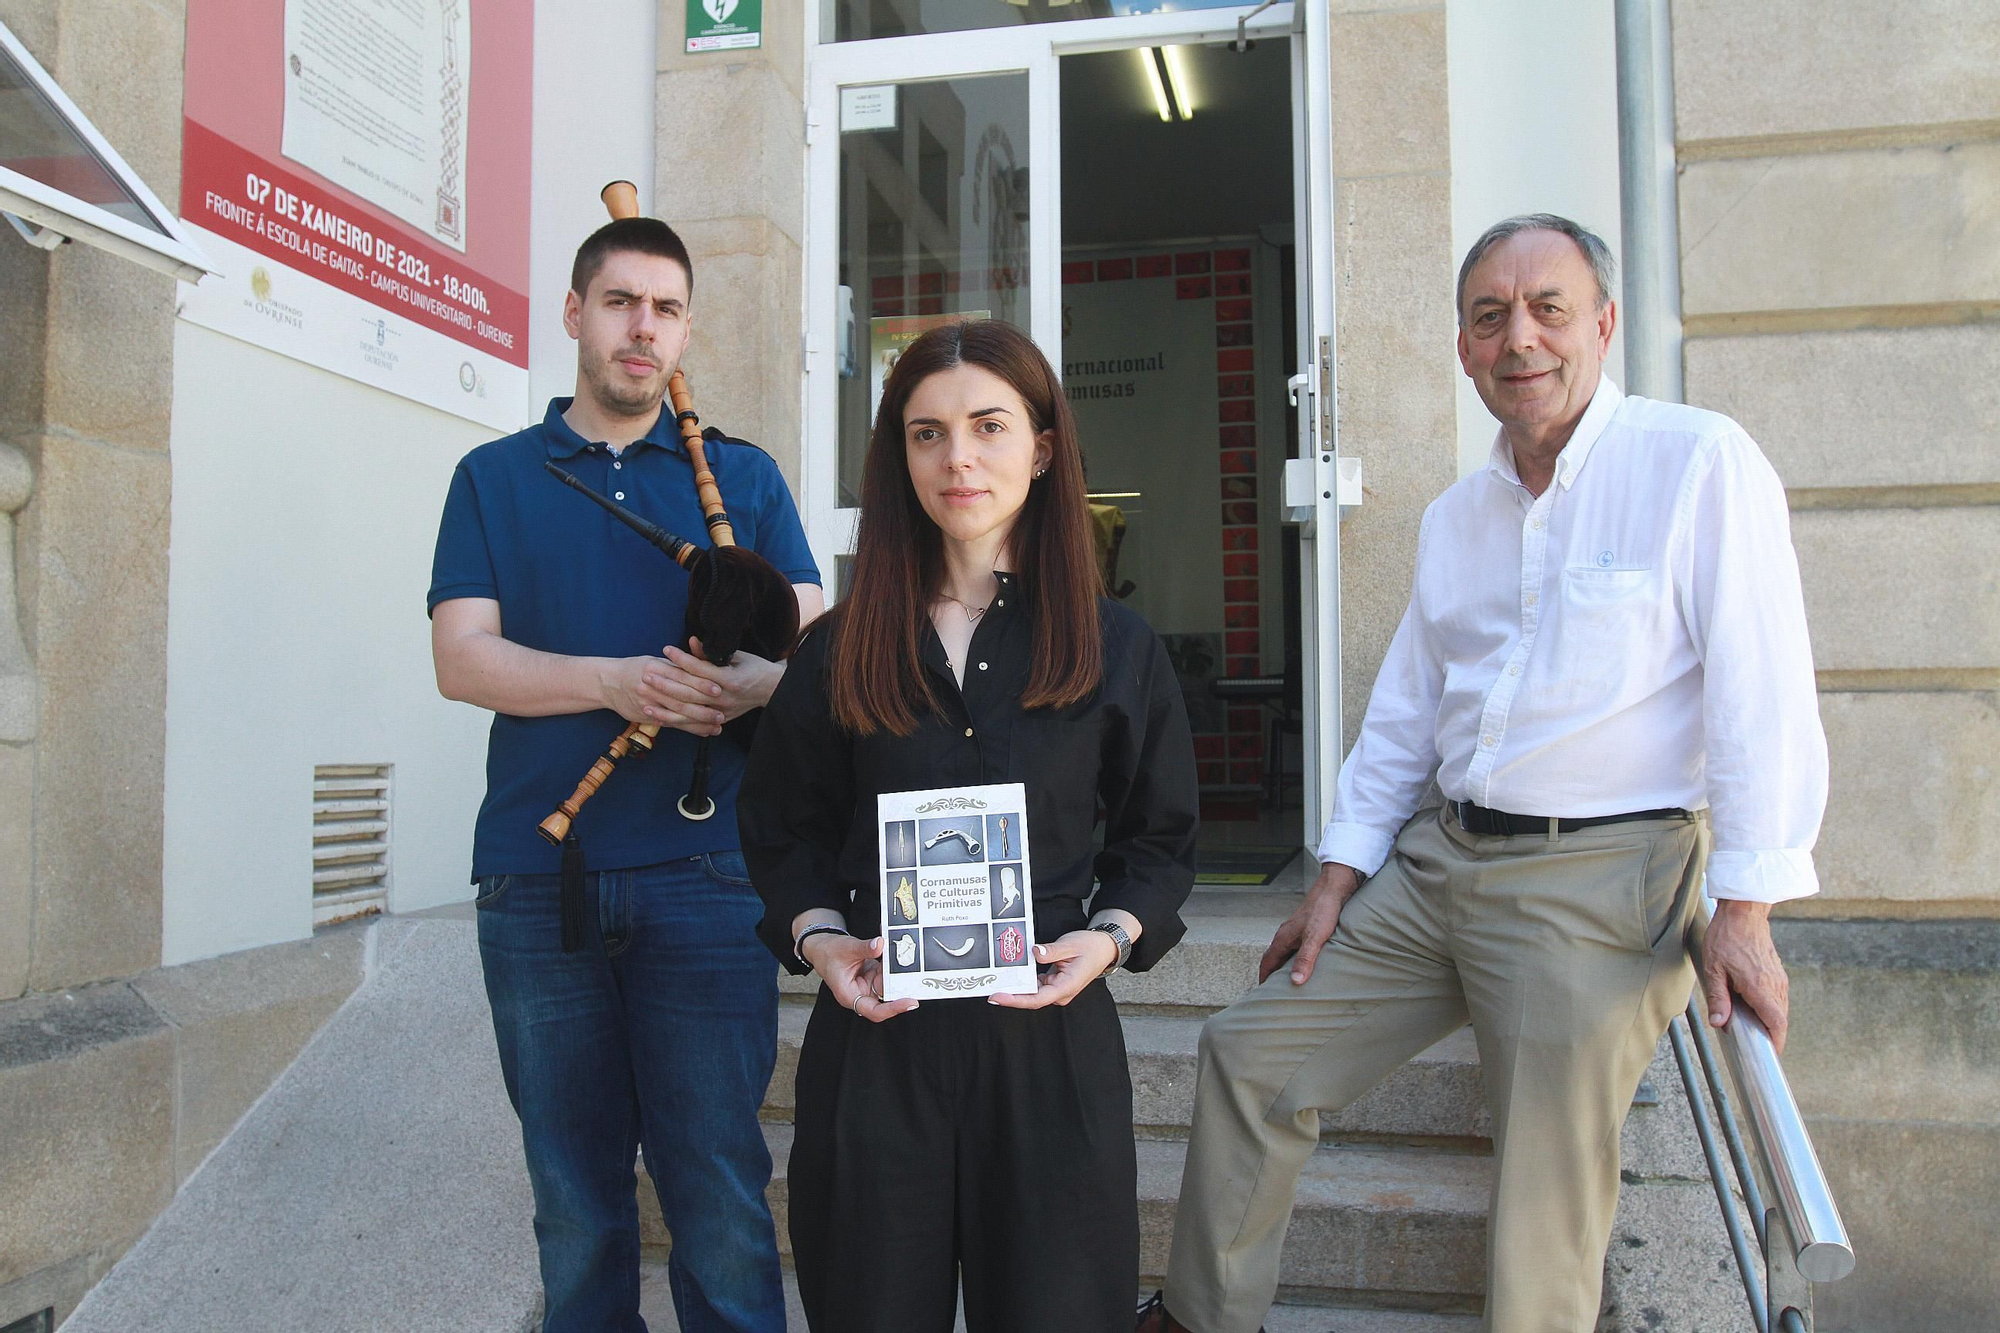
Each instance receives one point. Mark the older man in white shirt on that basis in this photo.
(1604, 666)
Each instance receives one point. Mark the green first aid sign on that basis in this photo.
(724, 25)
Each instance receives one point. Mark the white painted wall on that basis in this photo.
(1534, 129)
(305, 508)
(594, 112)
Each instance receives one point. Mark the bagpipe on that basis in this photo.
(737, 600)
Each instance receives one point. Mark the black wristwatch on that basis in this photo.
(1120, 937)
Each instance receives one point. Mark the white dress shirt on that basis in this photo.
(1632, 639)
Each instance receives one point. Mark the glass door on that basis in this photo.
(934, 191)
(930, 197)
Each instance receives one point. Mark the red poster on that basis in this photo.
(360, 169)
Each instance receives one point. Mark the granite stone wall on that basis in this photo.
(1840, 261)
(116, 1077)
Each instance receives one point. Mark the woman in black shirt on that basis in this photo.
(982, 1139)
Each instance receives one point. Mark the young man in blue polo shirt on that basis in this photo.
(662, 1030)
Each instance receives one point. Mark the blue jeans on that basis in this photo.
(661, 1031)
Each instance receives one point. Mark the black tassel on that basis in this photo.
(572, 895)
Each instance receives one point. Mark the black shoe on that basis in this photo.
(1153, 1317)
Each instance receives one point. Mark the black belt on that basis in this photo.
(1490, 823)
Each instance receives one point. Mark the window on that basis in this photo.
(60, 181)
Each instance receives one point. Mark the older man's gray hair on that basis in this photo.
(1595, 252)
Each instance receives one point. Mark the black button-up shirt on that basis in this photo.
(807, 806)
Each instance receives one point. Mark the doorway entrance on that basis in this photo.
(1179, 324)
(1141, 194)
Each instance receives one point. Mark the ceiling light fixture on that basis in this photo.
(1168, 80)
(1163, 68)
(1149, 60)
(1177, 83)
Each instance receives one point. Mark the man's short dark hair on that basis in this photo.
(646, 236)
(1595, 252)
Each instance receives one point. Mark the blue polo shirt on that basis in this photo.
(571, 579)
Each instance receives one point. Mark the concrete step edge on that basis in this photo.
(1376, 1179)
(1435, 1100)
(1445, 1183)
(1402, 1228)
(655, 1303)
(1399, 1228)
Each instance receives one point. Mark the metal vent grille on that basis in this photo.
(350, 874)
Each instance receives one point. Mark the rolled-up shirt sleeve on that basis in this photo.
(1395, 757)
(796, 802)
(1766, 765)
(1152, 808)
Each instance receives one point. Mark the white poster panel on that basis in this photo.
(277, 306)
(1139, 371)
(376, 101)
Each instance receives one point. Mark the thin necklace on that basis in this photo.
(972, 613)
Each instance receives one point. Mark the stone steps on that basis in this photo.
(1388, 1232)
(1435, 1099)
(1386, 1227)
(656, 1304)
(1211, 967)
(1269, 902)
(1395, 1227)
(1348, 1319)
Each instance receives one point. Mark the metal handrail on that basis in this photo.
(1801, 1235)
(1821, 1248)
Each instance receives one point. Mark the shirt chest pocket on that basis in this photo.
(1607, 614)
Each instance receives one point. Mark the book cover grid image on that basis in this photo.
(957, 900)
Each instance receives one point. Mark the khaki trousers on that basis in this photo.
(1568, 956)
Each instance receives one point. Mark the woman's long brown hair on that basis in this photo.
(875, 678)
